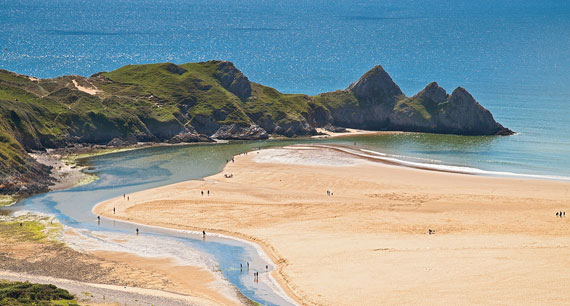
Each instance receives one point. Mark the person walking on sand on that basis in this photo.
(137, 230)
(208, 191)
(202, 192)
(203, 233)
(113, 210)
(266, 267)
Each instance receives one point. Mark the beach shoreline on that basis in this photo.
(68, 172)
(138, 210)
(35, 248)
(264, 251)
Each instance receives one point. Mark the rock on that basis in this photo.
(119, 142)
(233, 80)
(238, 132)
(462, 114)
(376, 86)
(294, 128)
(205, 125)
(334, 129)
(433, 92)
(172, 68)
(190, 137)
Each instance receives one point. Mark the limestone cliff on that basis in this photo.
(193, 102)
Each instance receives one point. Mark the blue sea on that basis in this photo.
(513, 56)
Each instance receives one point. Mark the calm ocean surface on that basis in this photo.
(513, 56)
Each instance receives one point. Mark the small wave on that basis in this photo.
(446, 168)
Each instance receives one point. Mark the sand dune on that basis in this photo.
(496, 241)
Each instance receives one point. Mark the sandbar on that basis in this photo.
(496, 240)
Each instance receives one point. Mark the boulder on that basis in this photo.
(122, 142)
(334, 129)
(239, 132)
(190, 137)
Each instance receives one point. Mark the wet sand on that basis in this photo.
(496, 241)
(110, 277)
(193, 282)
(106, 295)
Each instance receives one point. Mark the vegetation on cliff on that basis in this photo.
(197, 101)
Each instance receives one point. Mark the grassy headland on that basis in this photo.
(192, 102)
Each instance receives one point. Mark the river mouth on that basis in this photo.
(130, 171)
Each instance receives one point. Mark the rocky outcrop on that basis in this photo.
(376, 102)
(334, 129)
(191, 102)
(19, 172)
(200, 101)
(434, 93)
(376, 86)
(190, 137)
(233, 80)
(238, 132)
(119, 142)
(172, 68)
(462, 114)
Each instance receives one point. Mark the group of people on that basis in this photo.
(329, 193)
(561, 214)
(255, 274)
(202, 192)
(430, 232)
(229, 175)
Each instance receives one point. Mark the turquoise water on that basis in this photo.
(513, 56)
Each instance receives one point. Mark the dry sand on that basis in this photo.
(496, 241)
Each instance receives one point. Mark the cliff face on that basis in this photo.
(200, 101)
(376, 102)
(19, 172)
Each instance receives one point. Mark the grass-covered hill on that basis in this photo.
(199, 101)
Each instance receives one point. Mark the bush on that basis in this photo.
(26, 293)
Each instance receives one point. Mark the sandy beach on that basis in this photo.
(497, 240)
